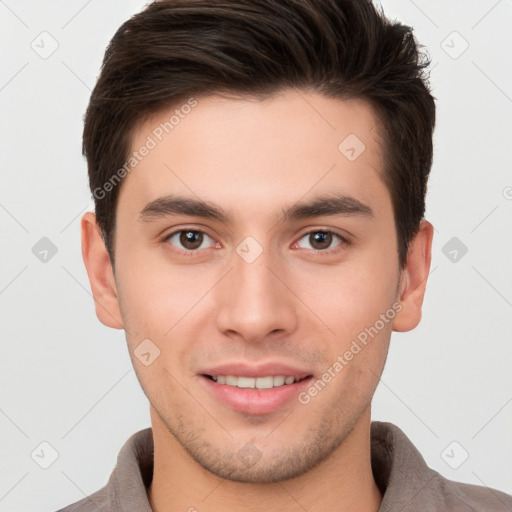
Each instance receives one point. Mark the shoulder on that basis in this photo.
(126, 489)
(92, 503)
(408, 484)
(458, 496)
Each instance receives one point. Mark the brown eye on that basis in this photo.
(321, 240)
(187, 240)
(191, 239)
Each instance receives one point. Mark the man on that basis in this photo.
(259, 170)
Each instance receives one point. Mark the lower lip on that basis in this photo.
(255, 401)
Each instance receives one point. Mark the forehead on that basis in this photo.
(248, 151)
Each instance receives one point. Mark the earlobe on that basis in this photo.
(101, 276)
(414, 279)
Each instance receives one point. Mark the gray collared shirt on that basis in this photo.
(406, 482)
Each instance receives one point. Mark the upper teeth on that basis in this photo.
(254, 382)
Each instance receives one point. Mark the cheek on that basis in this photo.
(358, 306)
(153, 297)
(162, 301)
(352, 295)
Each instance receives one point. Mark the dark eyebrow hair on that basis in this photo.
(327, 204)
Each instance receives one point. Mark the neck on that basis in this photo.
(343, 482)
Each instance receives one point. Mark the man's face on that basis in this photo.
(261, 295)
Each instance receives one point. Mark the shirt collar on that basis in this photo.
(398, 468)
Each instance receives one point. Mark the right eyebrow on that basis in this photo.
(182, 205)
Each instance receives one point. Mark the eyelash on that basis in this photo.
(191, 253)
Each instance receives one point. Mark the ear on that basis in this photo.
(413, 279)
(100, 272)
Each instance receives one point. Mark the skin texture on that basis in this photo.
(297, 303)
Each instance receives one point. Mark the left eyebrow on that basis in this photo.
(325, 205)
(320, 205)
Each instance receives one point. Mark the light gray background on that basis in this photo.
(68, 380)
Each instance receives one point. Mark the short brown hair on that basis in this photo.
(175, 49)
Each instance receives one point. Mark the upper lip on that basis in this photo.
(242, 369)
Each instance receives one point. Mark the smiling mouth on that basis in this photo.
(267, 382)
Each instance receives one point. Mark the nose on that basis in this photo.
(255, 300)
